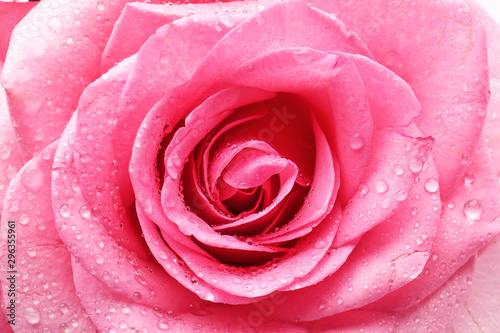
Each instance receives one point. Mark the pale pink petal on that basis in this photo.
(53, 55)
(10, 154)
(46, 297)
(139, 21)
(492, 123)
(395, 162)
(10, 162)
(436, 312)
(10, 15)
(439, 50)
(480, 312)
(469, 221)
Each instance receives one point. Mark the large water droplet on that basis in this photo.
(398, 169)
(209, 297)
(431, 185)
(32, 315)
(381, 186)
(356, 142)
(415, 165)
(473, 209)
(64, 210)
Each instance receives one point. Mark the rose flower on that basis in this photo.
(270, 166)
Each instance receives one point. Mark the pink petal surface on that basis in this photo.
(469, 221)
(10, 15)
(479, 312)
(139, 21)
(10, 162)
(47, 47)
(438, 49)
(395, 162)
(387, 257)
(46, 298)
(436, 312)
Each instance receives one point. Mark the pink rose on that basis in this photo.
(259, 166)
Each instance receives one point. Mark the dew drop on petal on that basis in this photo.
(356, 142)
(32, 315)
(415, 165)
(398, 169)
(473, 209)
(401, 195)
(431, 185)
(64, 210)
(381, 186)
(209, 297)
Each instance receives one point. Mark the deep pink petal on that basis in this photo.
(171, 71)
(438, 48)
(386, 258)
(46, 297)
(311, 28)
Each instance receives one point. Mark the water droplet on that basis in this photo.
(398, 169)
(162, 324)
(209, 297)
(401, 195)
(381, 186)
(356, 142)
(136, 296)
(469, 179)
(364, 189)
(85, 212)
(24, 219)
(99, 259)
(473, 209)
(32, 315)
(64, 211)
(248, 287)
(415, 165)
(431, 185)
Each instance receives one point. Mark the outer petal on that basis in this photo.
(469, 221)
(40, 274)
(436, 313)
(10, 15)
(10, 162)
(438, 48)
(480, 311)
(53, 55)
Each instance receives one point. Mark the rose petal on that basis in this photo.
(469, 220)
(261, 38)
(139, 21)
(53, 37)
(44, 292)
(436, 312)
(386, 258)
(115, 253)
(492, 123)
(388, 179)
(480, 311)
(439, 50)
(10, 15)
